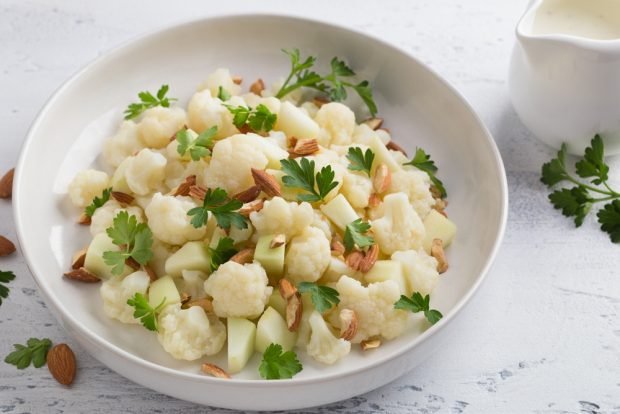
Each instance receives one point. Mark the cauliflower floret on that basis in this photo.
(161, 253)
(193, 283)
(324, 346)
(189, 333)
(416, 185)
(399, 226)
(87, 185)
(104, 216)
(116, 291)
(279, 216)
(145, 172)
(420, 270)
(159, 124)
(356, 187)
(169, 222)
(278, 138)
(122, 145)
(338, 121)
(221, 77)
(310, 108)
(323, 224)
(374, 308)
(239, 290)
(204, 111)
(232, 160)
(240, 235)
(307, 256)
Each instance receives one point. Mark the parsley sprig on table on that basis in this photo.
(334, 84)
(259, 119)
(144, 311)
(277, 364)
(198, 147)
(223, 209)
(300, 174)
(134, 239)
(323, 297)
(147, 101)
(5, 278)
(355, 235)
(98, 202)
(360, 161)
(577, 201)
(222, 253)
(422, 161)
(34, 351)
(417, 303)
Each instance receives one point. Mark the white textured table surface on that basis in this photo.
(542, 335)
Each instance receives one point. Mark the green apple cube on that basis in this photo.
(336, 269)
(94, 262)
(119, 183)
(241, 343)
(438, 226)
(218, 234)
(382, 154)
(163, 288)
(272, 259)
(192, 256)
(295, 123)
(277, 302)
(388, 270)
(272, 329)
(339, 211)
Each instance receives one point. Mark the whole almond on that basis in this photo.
(61, 363)
(248, 195)
(294, 310)
(286, 288)
(252, 206)
(82, 275)
(184, 187)
(374, 123)
(257, 87)
(6, 246)
(266, 182)
(370, 258)
(306, 146)
(243, 256)
(6, 184)
(382, 179)
(348, 324)
(122, 198)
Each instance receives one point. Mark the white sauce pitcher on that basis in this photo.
(565, 72)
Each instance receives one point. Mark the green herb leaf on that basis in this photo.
(354, 235)
(554, 171)
(223, 94)
(323, 297)
(198, 147)
(417, 303)
(593, 162)
(422, 161)
(134, 239)
(98, 202)
(260, 119)
(300, 174)
(34, 351)
(609, 218)
(222, 253)
(574, 202)
(360, 161)
(5, 278)
(147, 101)
(145, 312)
(223, 209)
(277, 364)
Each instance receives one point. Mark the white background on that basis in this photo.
(543, 333)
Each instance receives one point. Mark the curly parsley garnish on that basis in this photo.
(223, 209)
(145, 312)
(147, 101)
(134, 240)
(98, 202)
(199, 146)
(277, 364)
(422, 161)
(300, 174)
(34, 351)
(259, 119)
(416, 303)
(323, 297)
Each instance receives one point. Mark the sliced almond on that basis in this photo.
(244, 256)
(374, 123)
(266, 182)
(6, 184)
(294, 310)
(61, 364)
(370, 258)
(82, 275)
(257, 87)
(204, 303)
(374, 200)
(131, 262)
(348, 324)
(151, 272)
(78, 260)
(435, 192)
(319, 101)
(248, 195)
(84, 219)
(370, 344)
(6, 246)
(247, 208)
(395, 147)
(122, 198)
(336, 246)
(184, 299)
(354, 259)
(305, 146)
(237, 80)
(286, 288)
(382, 179)
(277, 241)
(438, 253)
(184, 187)
(440, 205)
(197, 192)
(214, 371)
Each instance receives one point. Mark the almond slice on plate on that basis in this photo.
(370, 344)
(382, 179)
(257, 87)
(266, 182)
(79, 258)
(374, 123)
(82, 275)
(395, 147)
(348, 324)
(438, 253)
(306, 146)
(243, 256)
(248, 195)
(247, 208)
(184, 187)
(214, 371)
(294, 310)
(286, 288)
(122, 198)
(84, 219)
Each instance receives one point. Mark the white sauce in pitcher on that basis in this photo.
(594, 19)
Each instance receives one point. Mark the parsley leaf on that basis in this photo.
(609, 218)
(574, 202)
(277, 364)
(554, 171)
(593, 162)
(199, 146)
(323, 297)
(145, 312)
(416, 303)
(260, 119)
(354, 235)
(98, 202)
(331, 84)
(360, 161)
(223, 94)
(222, 252)
(223, 209)
(5, 277)
(134, 239)
(300, 174)
(422, 161)
(34, 351)
(147, 101)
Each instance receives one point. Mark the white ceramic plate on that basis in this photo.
(419, 108)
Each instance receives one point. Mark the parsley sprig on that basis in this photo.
(222, 252)
(355, 235)
(98, 202)
(259, 119)
(300, 174)
(277, 364)
(223, 209)
(145, 312)
(34, 351)
(199, 146)
(577, 201)
(422, 161)
(417, 303)
(147, 101)
(5, 278)
(334, 84)
(134, 239)
(223, 94)
(360, 161)
(323, 297)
